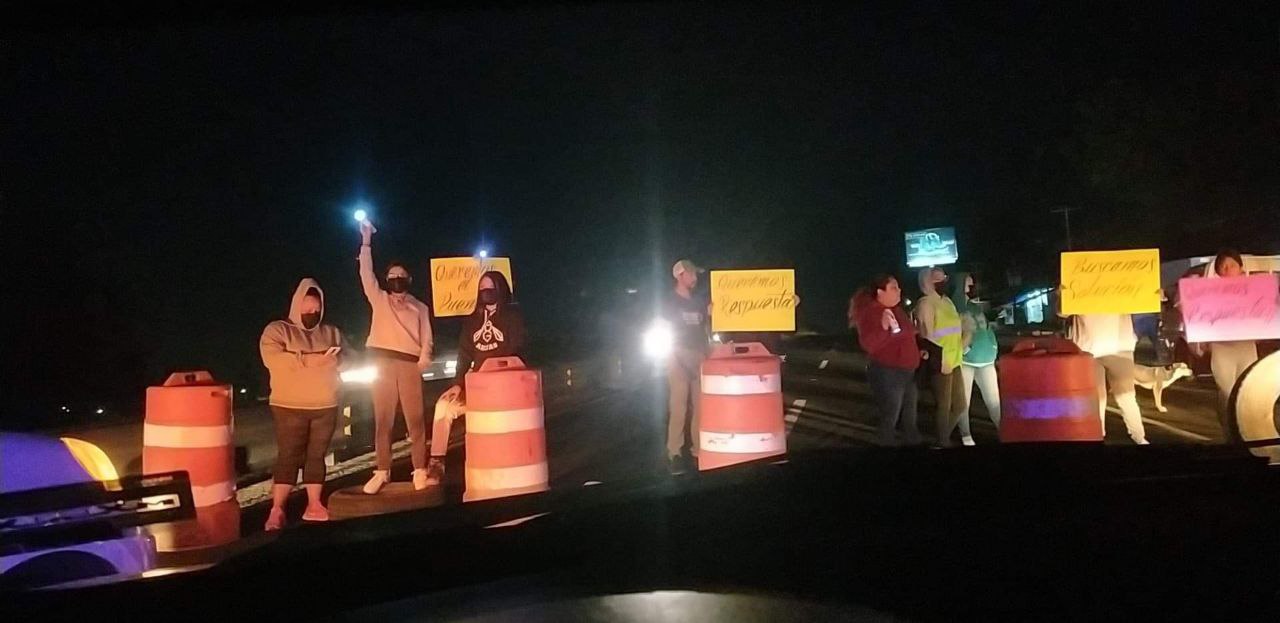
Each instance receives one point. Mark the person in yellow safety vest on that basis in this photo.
(938, 323)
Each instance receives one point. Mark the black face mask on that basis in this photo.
(398, 284)
(309, 321)
(489, 296)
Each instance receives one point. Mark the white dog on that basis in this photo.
(1156, 379)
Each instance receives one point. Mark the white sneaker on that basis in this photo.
(375, 484)
(419, 479)
(966, 440)
(1142, 442)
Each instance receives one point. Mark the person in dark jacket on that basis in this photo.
(494, 329)
(887, 335)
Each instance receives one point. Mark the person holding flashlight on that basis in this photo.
(399, 343)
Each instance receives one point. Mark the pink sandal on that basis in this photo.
(318, 513)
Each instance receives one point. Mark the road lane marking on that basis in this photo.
(823, 365)
(793, 413)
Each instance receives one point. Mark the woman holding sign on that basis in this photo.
(1228, 360)
(494, 329)
(887, 336)
(939, 326)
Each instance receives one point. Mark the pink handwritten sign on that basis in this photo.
(1231, 308)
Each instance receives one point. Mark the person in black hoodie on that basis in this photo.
(494, 329)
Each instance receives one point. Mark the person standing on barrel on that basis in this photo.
(400, 345)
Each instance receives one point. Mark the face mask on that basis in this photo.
(942, 287)
(972, 292)
(309, 321)
(489, 296)
(398, 284)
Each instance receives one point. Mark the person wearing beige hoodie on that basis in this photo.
(400, 345)
(302, 355)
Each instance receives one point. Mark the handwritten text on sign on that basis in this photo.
(1111, 282)
(454, 281)
(1230, 308)
(753, 300)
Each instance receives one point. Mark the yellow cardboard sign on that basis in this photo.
(454, 281)
(1111, 282)
(753, 300)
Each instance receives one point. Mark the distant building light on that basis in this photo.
(632, 290)
(65, 409)
(100, 411)
(243, 390)
(483, 253)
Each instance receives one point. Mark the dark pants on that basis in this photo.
(896, 397)
(948, 393)
(302, 439)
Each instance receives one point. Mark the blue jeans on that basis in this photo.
(895, 393)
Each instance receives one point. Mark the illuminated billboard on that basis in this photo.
(932, 247)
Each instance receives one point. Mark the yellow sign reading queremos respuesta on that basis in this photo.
(753, 300)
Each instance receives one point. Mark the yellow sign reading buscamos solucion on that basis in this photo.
(454, 281)
(753, 300)
(1111, 282)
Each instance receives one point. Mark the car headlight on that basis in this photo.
(658, 340)
(360, 376)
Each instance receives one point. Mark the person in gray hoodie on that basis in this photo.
(302, 355)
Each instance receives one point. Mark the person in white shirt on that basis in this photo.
(1111, 341)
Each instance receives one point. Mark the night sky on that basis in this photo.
(166, 181)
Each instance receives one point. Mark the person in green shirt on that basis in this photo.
(980, 349)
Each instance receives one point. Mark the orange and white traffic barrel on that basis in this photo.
(1048, 392)
(740, 416)
(506, 441)
(188, 427)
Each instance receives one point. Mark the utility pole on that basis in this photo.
(1066, 211)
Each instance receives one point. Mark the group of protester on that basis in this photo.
(305, 355)
(948, 345)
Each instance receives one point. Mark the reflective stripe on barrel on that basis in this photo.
(741, 385)
(742, 443)
(499, 478)
(1051, 407)
(161, 436)
(494, 422)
